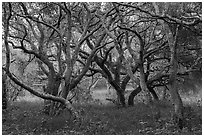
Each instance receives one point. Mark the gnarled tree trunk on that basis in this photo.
(137, 91)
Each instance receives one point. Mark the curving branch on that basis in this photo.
(89, 60)
(167, 18)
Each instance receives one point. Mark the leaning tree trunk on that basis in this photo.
(137, 91)
(132, 96)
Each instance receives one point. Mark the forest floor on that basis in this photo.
(26, 117)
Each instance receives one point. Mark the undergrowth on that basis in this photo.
(26, 117)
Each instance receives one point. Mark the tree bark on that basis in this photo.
(4, 92)
(52, 88)
(61, 100)
(6, 19)
(137, 91)
(114, 83)
(132, 96)
(120, 93)
(175, 97)
(140, 61)
(65, 102)
(154, 94)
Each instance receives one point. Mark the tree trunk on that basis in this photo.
(121, 95)
(4, 92)
(120, 92)
(132, 96)
(137, 91)
(164, 93)
(154, 94)
(175, 97)
(52, 88)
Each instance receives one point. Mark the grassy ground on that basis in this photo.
(26, 117)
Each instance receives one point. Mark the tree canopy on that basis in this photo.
(148, 44)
